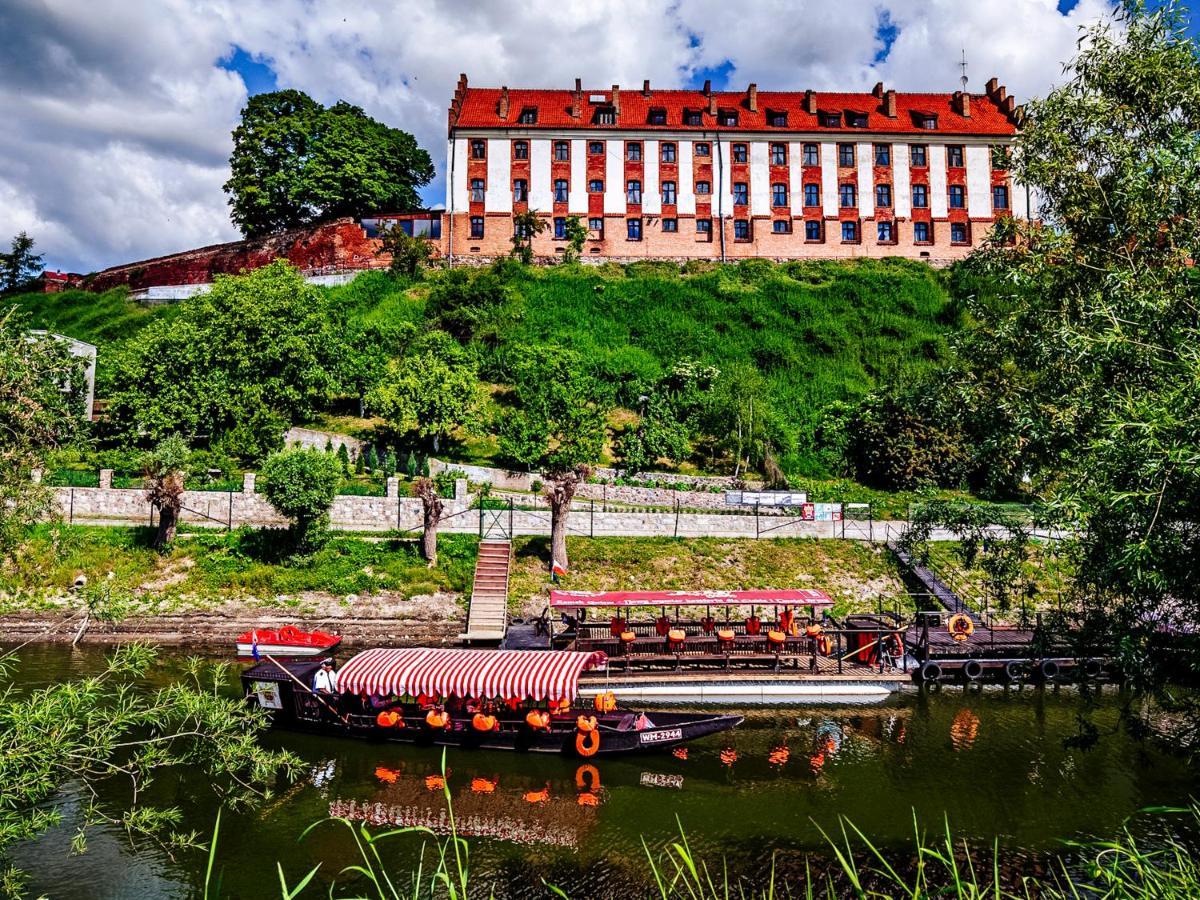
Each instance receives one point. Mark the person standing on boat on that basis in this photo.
(326, 680)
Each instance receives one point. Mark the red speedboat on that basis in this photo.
(287, 641)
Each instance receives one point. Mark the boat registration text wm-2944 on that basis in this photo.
(662, 734)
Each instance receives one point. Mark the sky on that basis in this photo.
(117, 113)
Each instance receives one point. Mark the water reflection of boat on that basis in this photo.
(544, 829)
(477, 699)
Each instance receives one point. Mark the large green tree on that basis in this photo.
(296, 162)
(1088, 354)
(233, 367)
(20, 264)
(301, 484)
(557, 426)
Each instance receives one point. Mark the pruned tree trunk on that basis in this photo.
(166, 496)
(432, 506)
(560, 491)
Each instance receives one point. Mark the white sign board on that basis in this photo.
(766, 498)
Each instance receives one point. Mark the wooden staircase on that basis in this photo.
(487, 616)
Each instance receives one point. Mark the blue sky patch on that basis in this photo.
(255, 71)
(886, 33)
(718, 74)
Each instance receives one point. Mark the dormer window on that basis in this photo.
(830, 120)
(856, 119)
(528, 116)
(658, 116)
(927, 121)
(693, 117)
(776, 119)
(727, 118)
(605, 115)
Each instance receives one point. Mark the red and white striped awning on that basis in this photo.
(527, 674)
(788, 597)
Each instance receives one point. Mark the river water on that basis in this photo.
(1006, 764)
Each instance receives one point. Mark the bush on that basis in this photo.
(301, 486)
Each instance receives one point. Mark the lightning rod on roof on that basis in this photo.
(963, 65)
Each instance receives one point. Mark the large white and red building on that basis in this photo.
(682, 174)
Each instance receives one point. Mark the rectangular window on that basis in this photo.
(633, 191)
(846, 155)
(920, 196)
(703, 187)
(693, 117)
(856, 119)
(521, 229)
(779, 154)
(999, 197)
(560, 190)
(727, 118)
(958, 232)
(812, 155)
(921, 233)
(704, 227)
(954, 156)
(596, 224)
(849, 232)
(477, 190)
(520, 191)
(928, 123)
(703, 148)
(1000, 157)
(831, 120)
(779, 195)
(883, 154)
(668, 192)
(595, 186)
(668, 152)
(883, 195)
(528, 116)
(781, 226)
(520, 149)
(478, 149)
(633, 151)
(633, 229)
(776, 119)
(741, 230)
(476, 226)
(883, 232)
(917, 156)
(812, 194)
(670, 225)
(596, 148)
(741, 193)
(658, 116)
(847, 195)
(605, 115)
(737, 153)
(812, 230)
(957, 196)
(560, 228)
(562, 151)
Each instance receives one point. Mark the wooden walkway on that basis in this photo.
(487, 616)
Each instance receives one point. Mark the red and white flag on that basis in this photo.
(558, 568)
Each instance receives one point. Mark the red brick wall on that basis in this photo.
(335, 245)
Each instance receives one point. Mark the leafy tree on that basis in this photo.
(232, 368)
(432, 391)
(20, 265)
(558, 427)
(410, 253)
(739, 415)
(465, 304)
(659, 433)
(576, 233)
(107, 737)
(432, 507)
(296, 162)
(301, 486)
(526, 226)
(166, 466)
(905, 442)
(367, 349)
(36, 416)
(1097, 318)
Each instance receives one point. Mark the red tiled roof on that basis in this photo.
(480, 109)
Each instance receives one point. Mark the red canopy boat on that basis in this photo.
(287, 641)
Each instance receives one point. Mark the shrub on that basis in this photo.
(301, 486)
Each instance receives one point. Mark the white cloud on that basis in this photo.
(118, 117)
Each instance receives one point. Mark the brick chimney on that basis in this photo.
(504, 102)
(752, 97)
(962, 104)
(712, 98)
(646, 88)
(616, 100)
(577, 100)
(810, 103)
(889, 104)
(1009, 106)
(992, 84)
(460, 93)
(878, 90)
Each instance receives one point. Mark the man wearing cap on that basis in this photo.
(326, 680)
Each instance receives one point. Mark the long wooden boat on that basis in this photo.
(523, 700)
